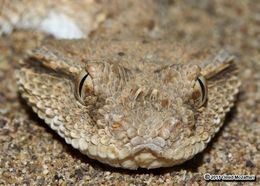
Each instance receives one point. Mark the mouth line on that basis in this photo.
(153, 148)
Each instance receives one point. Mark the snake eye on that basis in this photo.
(200, 91)
(84, 87)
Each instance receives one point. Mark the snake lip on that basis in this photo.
(145, 155)
(155, 149)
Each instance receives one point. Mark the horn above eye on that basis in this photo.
(84, 86)
(200, 91)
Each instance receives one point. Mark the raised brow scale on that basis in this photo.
(141, 109)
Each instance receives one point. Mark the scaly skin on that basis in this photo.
(143, 104)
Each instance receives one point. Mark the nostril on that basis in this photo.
(154, 94)
(138, 94)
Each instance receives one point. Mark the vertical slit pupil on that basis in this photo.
(82, 83)
(203, 88)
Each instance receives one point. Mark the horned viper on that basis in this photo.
(130, 103)
(126, 102)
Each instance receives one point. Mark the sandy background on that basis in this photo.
(32, 154)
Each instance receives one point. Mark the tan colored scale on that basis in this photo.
(126, 109)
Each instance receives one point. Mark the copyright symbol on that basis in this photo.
(207, 176)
